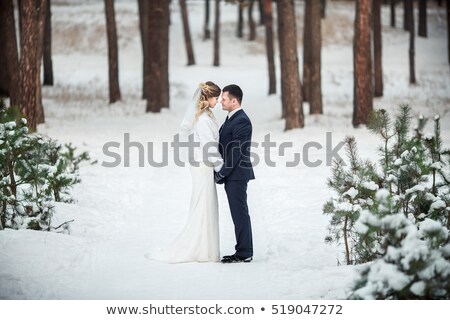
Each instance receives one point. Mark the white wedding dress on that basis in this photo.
(198, 241)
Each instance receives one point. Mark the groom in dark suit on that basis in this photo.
(237, 170)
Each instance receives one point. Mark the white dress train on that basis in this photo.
(198, 241)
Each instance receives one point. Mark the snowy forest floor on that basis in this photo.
(122, 213)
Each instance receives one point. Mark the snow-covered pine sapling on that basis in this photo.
(416, 260)
(404, 159)
(439, 195)
(14, 146)
(380, 124)
(73, 161)
(35, 171)
(411, 216)
(355, 185)
(415, 173)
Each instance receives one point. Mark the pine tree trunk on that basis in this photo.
(41, 8)
(251, 22)
(261, 12)
(13, 184)
(377, 47)
(240, 26)
(206, 31)
(393, 3)
(323, 8)
(28, 70)
(20, 9)
(291, 89)
(12, 56)
(307, 51)
(3, 212)
(143, 26)
(56, 195)
(48, 63)
(40, 115)
(406, 14)
(347, 251)
(10, 53)
(315, 89)
(113, 52)
(164, 29)
(362, 61)
(282, 71)
(216, 61)
(154, 43)
(269, 45)
(4, 75)
(423, 32)
(412, 72)
(187, 33)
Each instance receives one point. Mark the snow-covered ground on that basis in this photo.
(123, 213)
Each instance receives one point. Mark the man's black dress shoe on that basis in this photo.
(235, 259)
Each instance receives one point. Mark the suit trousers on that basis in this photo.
(236, 191)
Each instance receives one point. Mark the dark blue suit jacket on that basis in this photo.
(234, 146)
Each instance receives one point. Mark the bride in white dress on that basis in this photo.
(198, 241)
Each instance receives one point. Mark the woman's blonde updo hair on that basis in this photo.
(207, 90)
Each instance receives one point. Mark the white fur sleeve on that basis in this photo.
(208, 144)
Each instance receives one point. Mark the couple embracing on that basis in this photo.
(225, 162)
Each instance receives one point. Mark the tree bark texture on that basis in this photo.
(41, 8)
(154, 77)
(206, 30)
(28, 58)
(143, 26)
(291, 89)
(307, 51)
(251, 22)
(113, 52)
(406, 14)
(187, 33)
(240, 25)
(423, 30)
(10, 54)
(48, 63)
(268, 9)
(261, 12)
(412, 69)
(216, 61)
(164, 66)
(315, 89)
(362, 61)
(377, 47)
(323, 8)
(4, 68)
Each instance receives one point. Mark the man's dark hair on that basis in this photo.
(234, 91)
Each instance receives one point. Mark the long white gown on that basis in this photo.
(198, 241)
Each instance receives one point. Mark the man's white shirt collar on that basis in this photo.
(230, 114)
